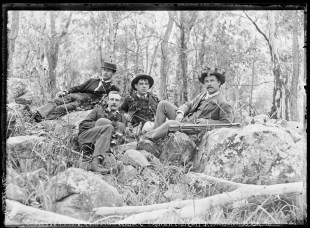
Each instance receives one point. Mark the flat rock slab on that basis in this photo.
(75, 192)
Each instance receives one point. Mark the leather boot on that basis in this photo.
(97, 167)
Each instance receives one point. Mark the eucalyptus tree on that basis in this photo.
(12, 35)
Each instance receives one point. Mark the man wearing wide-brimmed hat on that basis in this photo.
(68, 100)
(140, 107)
(208, 107)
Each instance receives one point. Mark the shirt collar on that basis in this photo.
(145, 96)
(108, 81)
(211, 95)
(108, 110)
(214, 94)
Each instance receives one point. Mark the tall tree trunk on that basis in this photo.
(278, 108)
(252, 82)
(278, 103)
(126, 85)
(164, 60)
(293, 91)
(153, 58)
(183, 58)
(12, 37)
(52, 47)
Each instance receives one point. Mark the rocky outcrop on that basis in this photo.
(75, 192)
(14, 192)
(178, 149)
(135, 158)
(255, 154)
(20, 150)
(18, 87)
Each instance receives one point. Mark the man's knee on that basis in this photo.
(163, 103)
(107, 128)
(102, 122)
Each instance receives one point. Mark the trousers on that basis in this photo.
(165, 110)
(59, 106)
(100, 136)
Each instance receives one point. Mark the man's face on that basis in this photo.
(106, 74)
(212, 84)
(114, 101)
(142, 86)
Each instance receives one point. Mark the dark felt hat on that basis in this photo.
(215, 72)
(110, 66)
(141, 76)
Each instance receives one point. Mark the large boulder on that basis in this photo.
(14, 192)
(178, 149)
(75, 192)
(135, 158)
(21, 151)
(255, 154)
(16, 88)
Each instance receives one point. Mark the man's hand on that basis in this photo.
(127, 116)
(179, 117)
(63, 93)
(202, 121)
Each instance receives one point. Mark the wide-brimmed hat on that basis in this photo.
(141, 76)
(220, 75)
(110, 66)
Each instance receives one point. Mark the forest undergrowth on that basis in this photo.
(55, 154)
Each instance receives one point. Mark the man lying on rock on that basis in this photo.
(97, 129)
(139, 108)
(68, 100)
(209, 107)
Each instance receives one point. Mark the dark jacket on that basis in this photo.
(217, 109)
(90, 85)
(139, 110)
(97, 113)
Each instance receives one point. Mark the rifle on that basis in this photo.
(187, 127)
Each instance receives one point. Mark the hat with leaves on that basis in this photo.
(208, 71)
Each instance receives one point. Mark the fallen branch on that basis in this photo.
(186, 207)
(220, 184)
(17, 213)
(200, 206)
(166, 216)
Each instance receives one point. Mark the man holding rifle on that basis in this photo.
(209, 107)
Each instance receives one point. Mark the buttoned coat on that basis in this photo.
(217, 109)
(131, 105)
(97, 113)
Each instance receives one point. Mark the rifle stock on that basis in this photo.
(184, 127)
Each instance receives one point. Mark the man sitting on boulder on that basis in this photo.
(68, 100)
(97, 129)
(139, 108)
(209, 107)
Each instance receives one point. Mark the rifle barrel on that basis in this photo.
(175, 127)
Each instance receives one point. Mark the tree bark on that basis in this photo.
(185, 28)
(294, 81)
(235, 192)
(278, 100)
(12, 37)
(164, 60)
(252, 82)
(199, 207)
(52, 48)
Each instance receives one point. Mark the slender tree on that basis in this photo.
(52, 48)
(13, 33)
(164, 59)
(294, 81)
(278, 103)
